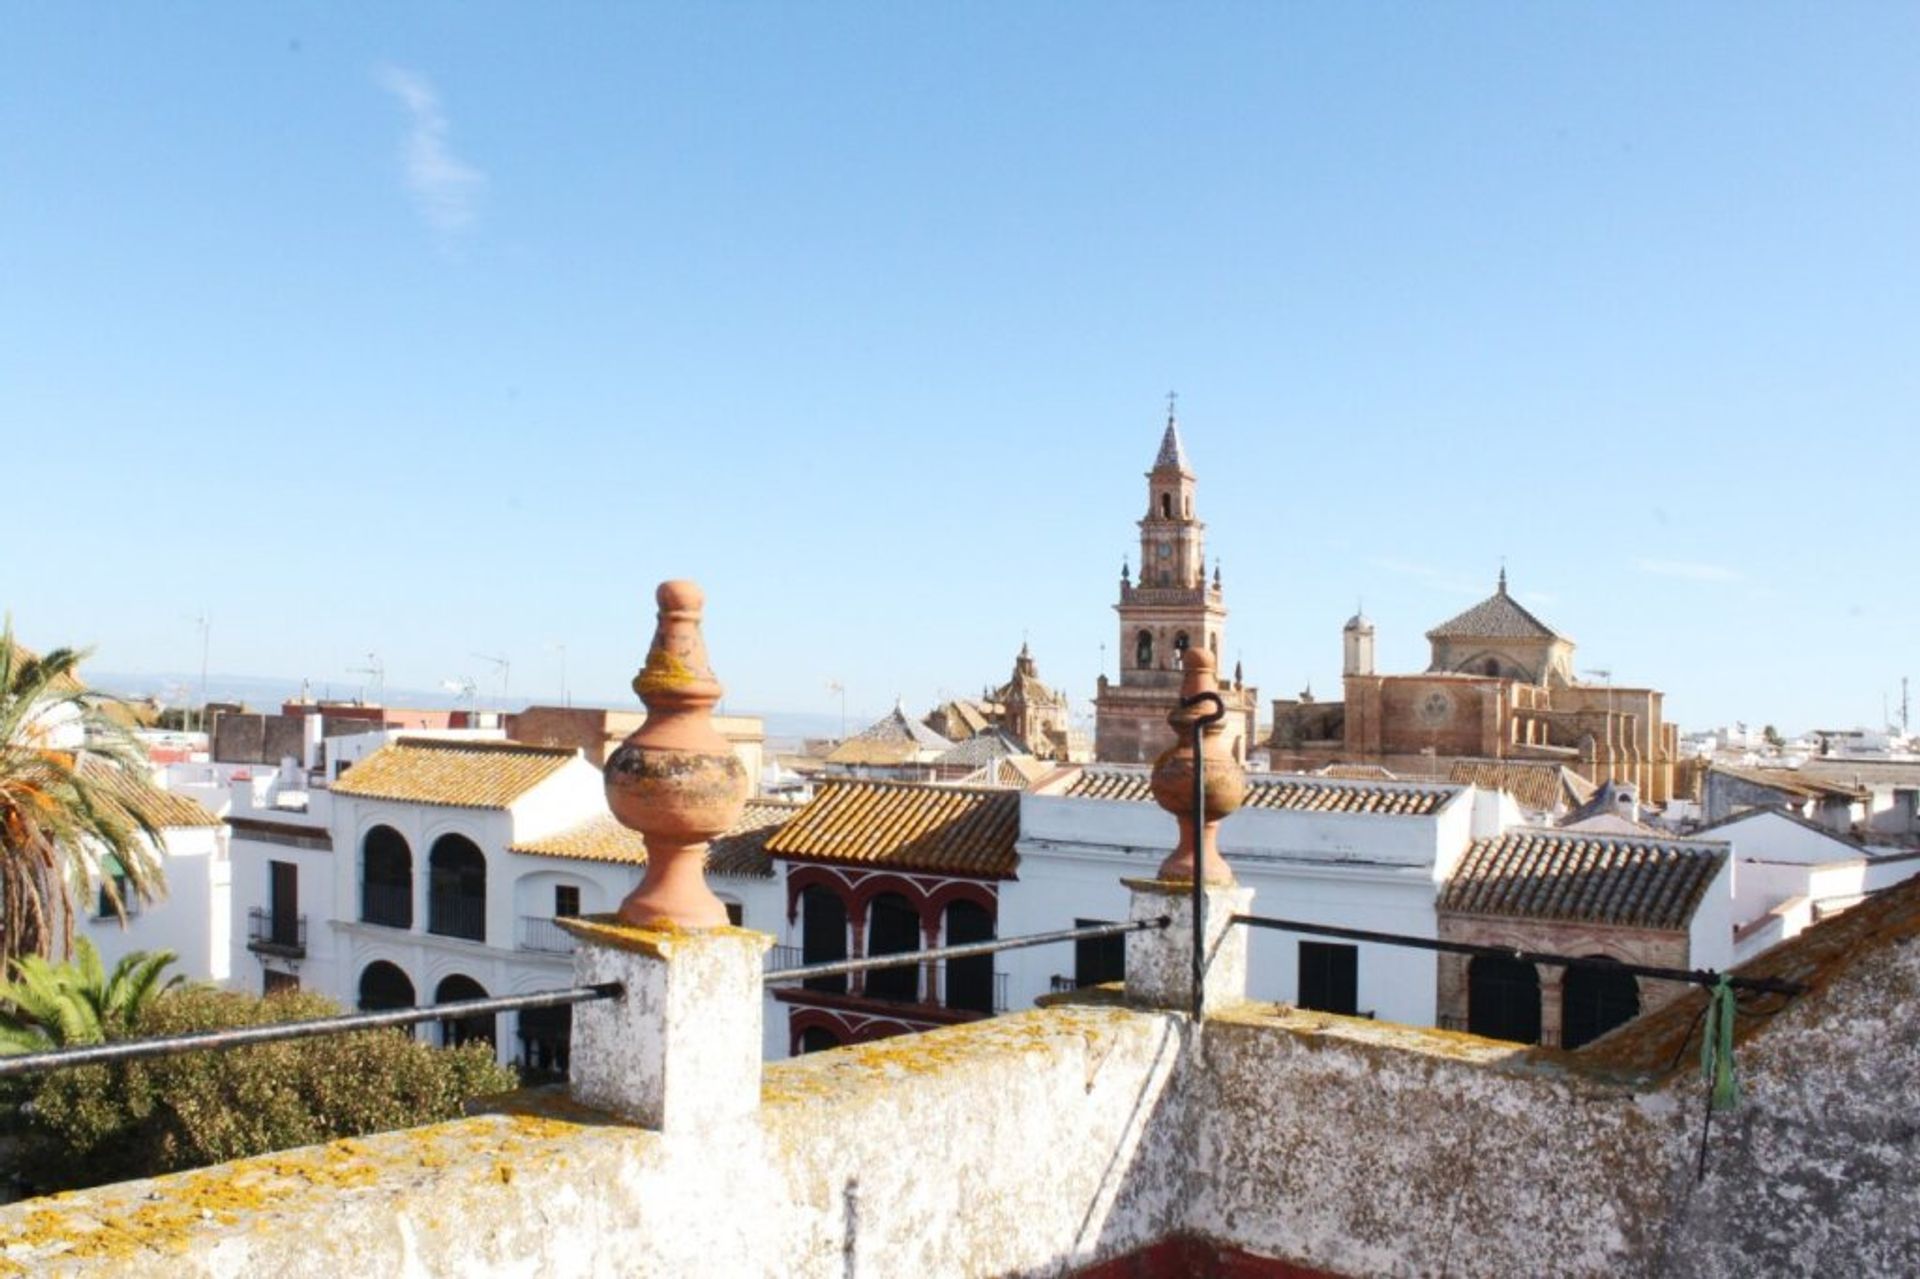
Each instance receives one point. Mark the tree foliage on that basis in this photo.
(47, 1005)
(95, 1124)
(70, 777)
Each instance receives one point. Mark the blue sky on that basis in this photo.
(436, 330)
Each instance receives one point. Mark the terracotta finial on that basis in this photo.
(1173, 775)
(675, 779)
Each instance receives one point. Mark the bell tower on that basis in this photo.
(1171, 608)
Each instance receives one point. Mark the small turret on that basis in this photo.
(1356, 644)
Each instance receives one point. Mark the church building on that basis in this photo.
(1500, 686)
(1171, 607)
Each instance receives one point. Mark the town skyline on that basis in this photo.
(428, 339)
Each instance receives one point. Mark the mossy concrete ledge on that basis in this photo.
(1043, 1142)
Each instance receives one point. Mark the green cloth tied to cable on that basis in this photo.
(1716, 1048)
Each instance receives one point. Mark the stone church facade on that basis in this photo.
(1500, 686)
(1172, 606)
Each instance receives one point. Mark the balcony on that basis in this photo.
(389, 905)
(457, 915)
(543, 934)
(270, 933)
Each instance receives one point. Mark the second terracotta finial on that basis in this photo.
(675, 779)
(1175, 770)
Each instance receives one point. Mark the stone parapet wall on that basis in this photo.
(1051, 1140)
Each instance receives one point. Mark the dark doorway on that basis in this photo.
(823, 936)
(969, 980)
(384, 987)
(1596, 998)
(457, 889)
(1503, 999)
(283, 896)
(1330, 977)
(1098, 960)
(893, 928)
(386, 882)
(464, 1030)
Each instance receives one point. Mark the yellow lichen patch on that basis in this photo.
(607, 930)
(663, 673)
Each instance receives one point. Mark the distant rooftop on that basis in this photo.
(1585, 878)
(452, 773)
(1285, 791)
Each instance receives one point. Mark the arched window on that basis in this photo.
(1143, 650)
(1595, 999)
(463, 1030)
(457, 889)
(1492, 666)
(386, 879)
(1186, 507)
(1180, 642)
(1166, 506)
(893, 928)
(816, 1039)
(383, 987)
(823, 935)
(1503, 999)
(969, 981)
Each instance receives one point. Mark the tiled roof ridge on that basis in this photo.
(504, 746)
(1488, 618)
(1613, 879)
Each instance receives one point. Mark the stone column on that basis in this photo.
(680, 1050)
(1160, 961)
(1552, 979)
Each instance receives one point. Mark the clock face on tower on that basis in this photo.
(1435, 709)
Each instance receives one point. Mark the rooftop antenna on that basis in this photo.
(504, 669)
(1904, 730)
(835, 686)
(205, 624)
(462, 688)
(378, 670)
(565, 698)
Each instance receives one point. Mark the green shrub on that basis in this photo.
(97, 1124)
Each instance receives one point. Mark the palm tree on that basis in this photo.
(48, 1005)
(71, 813)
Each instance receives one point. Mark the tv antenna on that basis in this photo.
(378, 671)
(462, 689)
(504, 669)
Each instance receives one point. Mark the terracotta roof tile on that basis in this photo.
(901, 826)
(1595, 879)
(1795, 781)
(128, 792)
(894, 738)
(1499, 616)
(1287, 792)
(738, 854)
(1541, 787)
(451, 773)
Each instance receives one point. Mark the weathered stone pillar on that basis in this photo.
(681, 1050)
(1552, 990)
(1160, 962)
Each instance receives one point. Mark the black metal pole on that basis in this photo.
(171, 1045)
(1200, 725)
(1697, 977)
(904, 958)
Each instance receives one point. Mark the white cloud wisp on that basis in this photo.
(446, 189)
